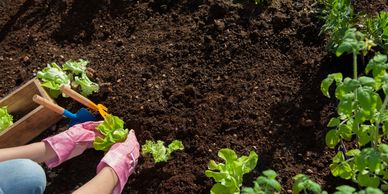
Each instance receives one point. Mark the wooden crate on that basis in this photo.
(34, 117)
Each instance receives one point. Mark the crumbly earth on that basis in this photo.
(213, 74)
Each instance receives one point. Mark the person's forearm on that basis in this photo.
(102, 183)
(39, 152)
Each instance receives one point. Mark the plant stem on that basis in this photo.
(378, 122)
(354, 65)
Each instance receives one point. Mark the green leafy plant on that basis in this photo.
(345, 189)
(303, 183)
(368, 167)
(229, 175)
(53, 77)
(338, 16)
(112, 130)
(266, 184)
(377, 28)
(158, 151)
(361, 114)
(6, 119)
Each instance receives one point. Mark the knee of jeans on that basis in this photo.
(35, 175)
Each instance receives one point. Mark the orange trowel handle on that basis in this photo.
(78, 97)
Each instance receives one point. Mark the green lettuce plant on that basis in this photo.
(6, 119)
(345, 189)
(266, 184)
(112, 130)
(229, 175)
(73, 73)
(159, 152)
(53, 77)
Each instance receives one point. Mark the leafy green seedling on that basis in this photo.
(6, 119)
(304, 184)
(87, 87)
(158, 151)
(266, 184)
(76, 67)
(112, 130)
(229, 176)
(53, 77)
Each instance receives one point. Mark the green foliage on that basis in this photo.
(338, 16)
(229, 175)
(53, 77)
(351, 42)
(367, 167)
(377, 28)
(87, 87)
(345, 189)
(266, 184)
(6, 119)
(112, 130)
(305, 184)
(158, 151)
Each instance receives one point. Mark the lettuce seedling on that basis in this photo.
(158, 151)
(76, 67)
(229, 176)
(266, 184)
(53, 77)
(6, 119)
(112, 130)
(87, 86)
(305, 184)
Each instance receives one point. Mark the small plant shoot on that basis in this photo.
(229, 175)
(6, 119)
(159, 152)
(304, 184)
(265, 184)
(112, 130)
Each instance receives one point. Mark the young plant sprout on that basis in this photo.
(158, 151)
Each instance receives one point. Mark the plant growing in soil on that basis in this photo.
(266, 184)
(112, 130)
(6, 119)
(229, 176)
(158, 151)
(303, 183)
(345, 189)
(338, 16)
(377, 28)
(53, 77)
(361, 114)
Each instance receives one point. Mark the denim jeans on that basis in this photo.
(21, 176)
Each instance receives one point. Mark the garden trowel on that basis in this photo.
(83, 100)
(81, 116)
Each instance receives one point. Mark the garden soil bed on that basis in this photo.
(213, 74)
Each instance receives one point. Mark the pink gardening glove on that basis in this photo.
(72, 142)
(122, 157)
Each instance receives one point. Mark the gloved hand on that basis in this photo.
(72, 142)
(122, 158)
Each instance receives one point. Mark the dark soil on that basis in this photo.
(213, 74)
